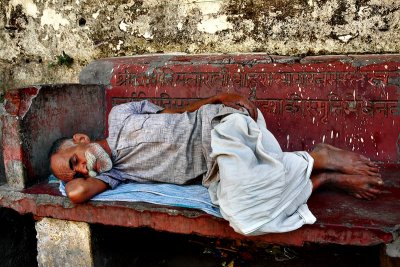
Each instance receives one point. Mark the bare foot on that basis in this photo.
(335, 159)
(359, 186)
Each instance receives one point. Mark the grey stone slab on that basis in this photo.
(63, 243)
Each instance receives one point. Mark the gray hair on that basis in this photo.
(60, 143)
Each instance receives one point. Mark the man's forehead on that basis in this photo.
(60, 165)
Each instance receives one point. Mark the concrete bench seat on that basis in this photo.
(347, 101)
(341, 219)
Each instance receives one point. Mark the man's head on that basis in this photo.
(78, 157)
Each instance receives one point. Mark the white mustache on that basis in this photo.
(96, 153)
(90, 161)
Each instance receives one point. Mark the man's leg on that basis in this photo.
(351, 172)
(359, 186)
(327, 157)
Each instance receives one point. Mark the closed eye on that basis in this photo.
(72, 162)
(78, 175)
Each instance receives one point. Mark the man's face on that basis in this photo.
(80, 160)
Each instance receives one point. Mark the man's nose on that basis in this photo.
(82, 169)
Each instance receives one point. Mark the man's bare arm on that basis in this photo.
(80, 190)
(231, 100)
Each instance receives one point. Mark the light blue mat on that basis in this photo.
(187, 196)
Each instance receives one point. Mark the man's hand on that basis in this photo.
(238, 102)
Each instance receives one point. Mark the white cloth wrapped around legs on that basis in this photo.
(260, 188)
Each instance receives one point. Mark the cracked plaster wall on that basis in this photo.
(33, 33)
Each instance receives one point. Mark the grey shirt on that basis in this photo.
(151, 147)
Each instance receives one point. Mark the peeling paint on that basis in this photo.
(123, 26)
(15, 174)
(28, 6)
(214, 25)
(95, 15)
(52, 18)
(274, 27)
(120, 42)
(345, 38)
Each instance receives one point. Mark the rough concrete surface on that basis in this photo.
(63, 243)
(34, 34)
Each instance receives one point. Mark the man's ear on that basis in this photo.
(81, 138)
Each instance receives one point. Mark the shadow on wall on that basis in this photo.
(142, 247)
(17, 239)
(2, 172)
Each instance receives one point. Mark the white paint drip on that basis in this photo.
(287, 141)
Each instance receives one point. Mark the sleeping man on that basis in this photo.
(222, 141)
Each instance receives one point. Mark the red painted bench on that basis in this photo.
(349, 101)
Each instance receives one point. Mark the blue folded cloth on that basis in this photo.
(186, 196)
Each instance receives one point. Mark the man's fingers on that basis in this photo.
(239, 102)
(234, 105)
(253, 111)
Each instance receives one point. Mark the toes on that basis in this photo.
(374, 191)
(376, 175)
(365, 158)
(365, 195)
(378, 181)
(372, 164)
(369, 196)
(374, 169)
(358, 196)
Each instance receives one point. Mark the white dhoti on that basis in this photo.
(260, 188)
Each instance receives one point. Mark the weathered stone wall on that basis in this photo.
(34, 34)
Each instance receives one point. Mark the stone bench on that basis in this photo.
(347, 101)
